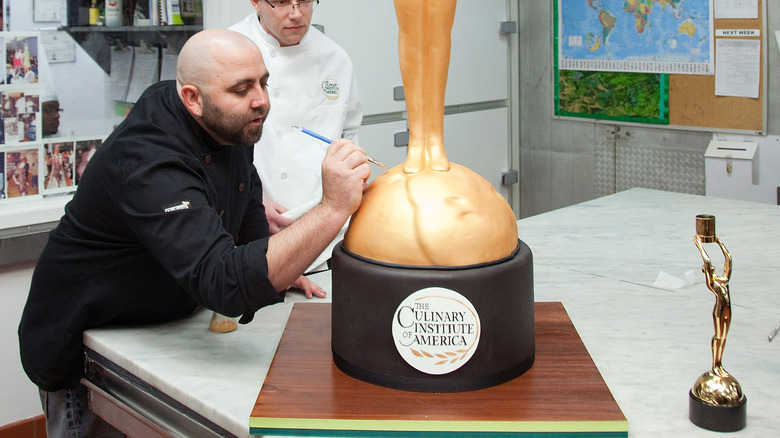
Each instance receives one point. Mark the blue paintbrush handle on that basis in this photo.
(329, 141)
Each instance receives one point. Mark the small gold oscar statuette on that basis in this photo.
(716, 399)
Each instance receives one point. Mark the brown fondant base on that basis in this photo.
(366, 295)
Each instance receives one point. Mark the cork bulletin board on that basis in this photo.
(692, 99)
(674, 100)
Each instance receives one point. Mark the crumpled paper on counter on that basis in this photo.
(668, 281)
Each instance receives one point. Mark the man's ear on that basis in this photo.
(192, 99)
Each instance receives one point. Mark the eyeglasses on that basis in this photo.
(286, 6)
(51, 110)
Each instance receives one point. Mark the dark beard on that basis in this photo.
(231, 128)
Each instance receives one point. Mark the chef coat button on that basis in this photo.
(241, 187)
(310, 94)
(279, 134)
(276, 93)
(283, 176)
(273, 54)
(207, 159)
(308, 54)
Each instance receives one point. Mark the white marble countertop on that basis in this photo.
(600, 259)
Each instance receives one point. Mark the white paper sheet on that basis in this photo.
(46, 10)
(60, 47)
(736, 8)
(145, 64)
(737, 67)
(777, 37)
(168, 67)
(668, 281)
(121, 66)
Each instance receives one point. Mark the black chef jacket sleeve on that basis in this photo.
(169, 205)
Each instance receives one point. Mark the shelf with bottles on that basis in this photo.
(134, 13)
(96, 25)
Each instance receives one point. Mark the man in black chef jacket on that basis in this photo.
(168, 217)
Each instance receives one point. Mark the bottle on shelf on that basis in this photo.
(94, 13)
(113, 12)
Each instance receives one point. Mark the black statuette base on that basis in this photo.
(715, 417)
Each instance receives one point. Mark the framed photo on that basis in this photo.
(21, 173)
(85, 149)
(21, 59)
(59, 164)
(20, 111)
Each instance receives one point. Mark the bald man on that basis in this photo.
(168, 217)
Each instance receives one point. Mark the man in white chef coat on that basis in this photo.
(312, 84)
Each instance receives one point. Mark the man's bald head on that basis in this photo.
(223, 83)
(211, 52)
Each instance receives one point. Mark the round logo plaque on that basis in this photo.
(436, 330)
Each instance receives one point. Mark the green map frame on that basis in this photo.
(602, 95)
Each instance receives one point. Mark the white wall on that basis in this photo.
(19, 397)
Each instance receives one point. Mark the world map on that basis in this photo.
(653, 36)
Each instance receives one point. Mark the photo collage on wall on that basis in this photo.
(32, 166)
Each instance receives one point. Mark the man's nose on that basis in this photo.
(260, 98)
(295, 9)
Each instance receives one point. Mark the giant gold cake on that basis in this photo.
(432, 289)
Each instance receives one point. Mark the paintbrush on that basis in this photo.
(329, 141)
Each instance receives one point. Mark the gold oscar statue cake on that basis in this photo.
(432, 289)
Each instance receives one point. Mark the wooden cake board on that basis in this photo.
(562, 395)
